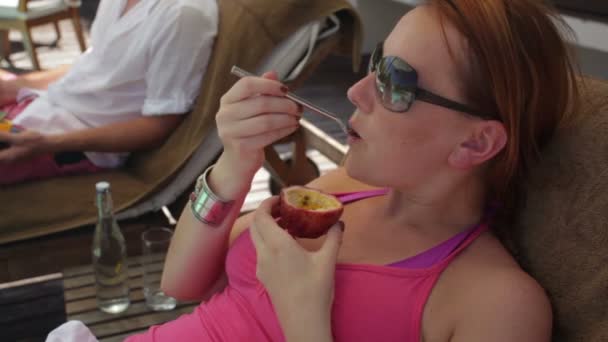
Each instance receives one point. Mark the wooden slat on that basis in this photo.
(80, 293)
(137, 322)
(90, 304)
(94, 317)
(88, 291)
(88, 269)
(323, 142)
(275, 165)
(85, 279)
(88, 279)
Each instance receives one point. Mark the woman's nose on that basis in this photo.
(362, 94)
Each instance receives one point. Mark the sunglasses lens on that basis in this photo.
(397, 86)
(396, 83)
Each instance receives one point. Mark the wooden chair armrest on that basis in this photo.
(323, 142)
(22, 7)
(298, 171)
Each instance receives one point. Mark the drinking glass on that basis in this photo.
(155, 246)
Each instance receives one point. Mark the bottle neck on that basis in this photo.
(104, 205)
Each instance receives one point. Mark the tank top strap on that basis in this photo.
(349, 197)
(481, 228)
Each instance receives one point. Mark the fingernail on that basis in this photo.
(341, 225)
(284, 89)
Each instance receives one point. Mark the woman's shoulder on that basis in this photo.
(496, 284)
(486, 259)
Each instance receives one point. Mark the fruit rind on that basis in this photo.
(307, 212)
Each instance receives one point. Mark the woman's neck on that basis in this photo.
(432, 211)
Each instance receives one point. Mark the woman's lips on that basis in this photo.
(353, 136)
(353, 133)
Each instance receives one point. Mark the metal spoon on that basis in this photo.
(242, 73)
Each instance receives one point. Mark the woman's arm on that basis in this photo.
(253, 114)
(195, 258)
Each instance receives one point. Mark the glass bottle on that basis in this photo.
(109, 256)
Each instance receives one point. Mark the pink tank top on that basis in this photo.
(371, 303)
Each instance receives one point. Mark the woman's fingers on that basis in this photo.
(254, 106)
(254, 113)
(273, 235)
(259, 140)
(263, 123)
(249, 86)
(258, 241)
(271, 75)
(262, 217)
(332, 242)
(265, 139)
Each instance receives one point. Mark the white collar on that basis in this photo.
(134, 16)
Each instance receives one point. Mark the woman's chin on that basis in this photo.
(356, 170)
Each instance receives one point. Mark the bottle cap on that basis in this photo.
(102, 186)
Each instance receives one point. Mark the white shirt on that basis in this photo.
(148, 62)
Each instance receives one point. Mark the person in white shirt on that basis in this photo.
(125, 93)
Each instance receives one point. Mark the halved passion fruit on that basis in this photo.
(307, 212)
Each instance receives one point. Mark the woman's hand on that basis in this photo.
(253, 114)
(300, 283)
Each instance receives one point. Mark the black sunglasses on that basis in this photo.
(397, 86)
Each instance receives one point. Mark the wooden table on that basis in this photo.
(80, 304)
(33, 307)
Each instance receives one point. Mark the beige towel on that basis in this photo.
(561, 234)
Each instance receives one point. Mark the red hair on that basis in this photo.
(522, 70)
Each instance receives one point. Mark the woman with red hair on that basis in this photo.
(458, 101)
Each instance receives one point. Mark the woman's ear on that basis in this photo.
(486, 139)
